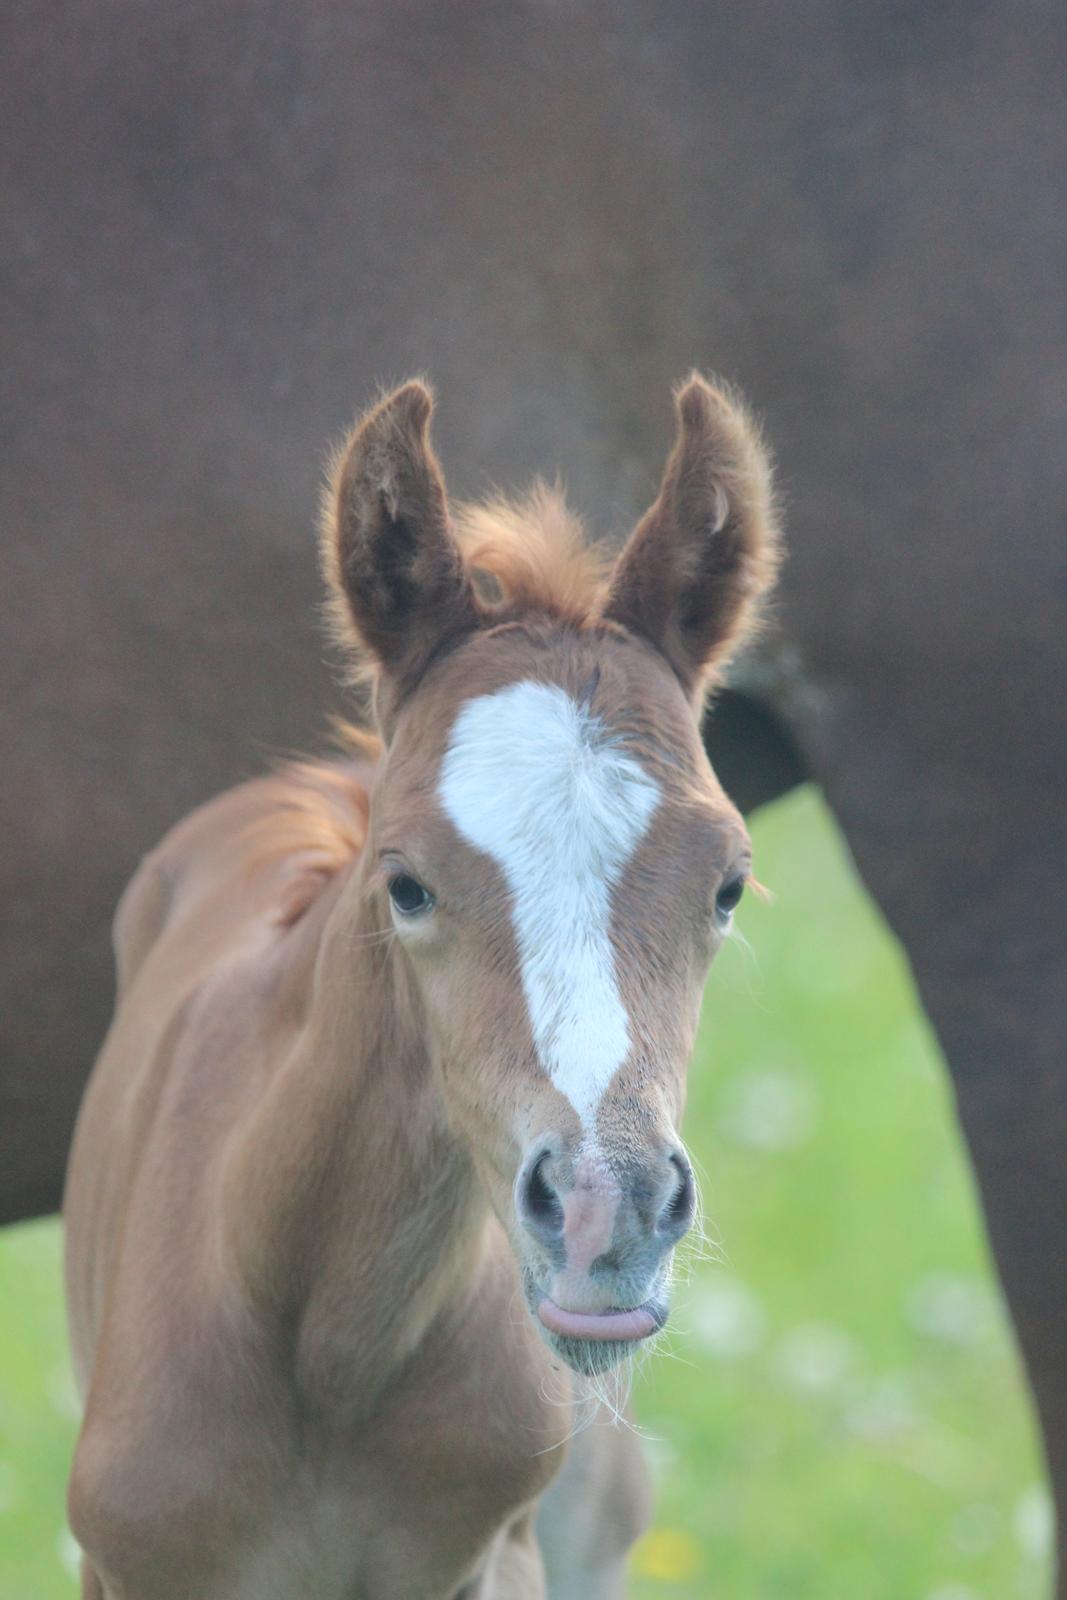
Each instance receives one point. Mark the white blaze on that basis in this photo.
(535, 781)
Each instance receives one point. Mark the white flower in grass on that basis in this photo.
(660, 1455)
(726, 1317)
(951, 1308)
(1033, 1522)
(69, 1552)
(816, 1357)
(769, 1110)
(883, 1407)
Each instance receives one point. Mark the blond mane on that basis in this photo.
(531, 553)
(313, 819)
(527, 553)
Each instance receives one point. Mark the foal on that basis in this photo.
(381, 1146)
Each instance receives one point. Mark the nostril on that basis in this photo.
(677, 1214)
(541, 1208)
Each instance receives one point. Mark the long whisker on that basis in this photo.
(375, 936)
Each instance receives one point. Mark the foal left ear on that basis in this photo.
(696, 567)
(397, 579)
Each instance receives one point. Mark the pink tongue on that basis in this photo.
(636, 1324)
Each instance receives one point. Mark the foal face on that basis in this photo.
(561, 866)
(559, 860)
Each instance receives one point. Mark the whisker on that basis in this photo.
(376, 935)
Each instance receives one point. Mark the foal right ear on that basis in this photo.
(398, 584)
(697, 566)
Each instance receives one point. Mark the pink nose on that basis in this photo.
(589, 1213)
(602, 1236)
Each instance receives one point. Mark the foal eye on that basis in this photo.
(728, 897)
(408, 895)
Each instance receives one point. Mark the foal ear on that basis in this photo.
(398, 584)
(691, 578)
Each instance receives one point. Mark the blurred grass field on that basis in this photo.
(837, 1412)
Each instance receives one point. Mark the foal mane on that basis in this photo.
(531, 553)
(527, 554)
(313, 816)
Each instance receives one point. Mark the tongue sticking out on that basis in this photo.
(635, 1324)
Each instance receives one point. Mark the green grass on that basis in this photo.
(845, 1419)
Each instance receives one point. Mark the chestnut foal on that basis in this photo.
(382, 1145)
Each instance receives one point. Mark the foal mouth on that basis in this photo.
(623, 1326)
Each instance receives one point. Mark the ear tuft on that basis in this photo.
(693, 574)
(412, 404)
(694, 399)
(398, 585)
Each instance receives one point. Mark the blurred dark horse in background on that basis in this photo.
(225, 225)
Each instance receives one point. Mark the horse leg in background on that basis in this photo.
(1004, 1043)
(965, 866)
(92, 1588)
(593, 1512)
(514, 1570)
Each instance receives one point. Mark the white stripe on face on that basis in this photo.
(536, 781)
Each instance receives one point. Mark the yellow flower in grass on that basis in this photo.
(668, 1554)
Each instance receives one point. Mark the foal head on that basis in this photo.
(557, 858)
